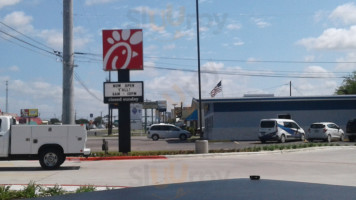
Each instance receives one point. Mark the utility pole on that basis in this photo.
(7, 97)
(68, 64)
(290, 88)
(199, 81)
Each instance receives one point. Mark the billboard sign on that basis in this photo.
(29, 112)
(162, 106)
(150, 105)
(123, 49)
(136, 111)
(130, 92)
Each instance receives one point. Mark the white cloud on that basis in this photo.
(347, 63)
(54, 38)
(309, 58)
(332, 38)
(344, 13)
(261, 23)
(233, 26)
(95, 2)
(169, 47)
(48, 98)
(317, 71)
(321, 82)
(187, 34)
(20, 21)
(14, 68)
(4, 3)
(239, 43)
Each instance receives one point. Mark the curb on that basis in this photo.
(207, 155)
(114, 158)
(212, 155)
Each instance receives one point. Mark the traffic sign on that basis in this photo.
(130, 92)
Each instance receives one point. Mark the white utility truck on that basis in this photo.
(50, 144)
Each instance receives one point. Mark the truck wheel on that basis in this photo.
(302, 138)
(328, 139)
(283, 139)
(155, 137)
(63, 159)
(51, 158)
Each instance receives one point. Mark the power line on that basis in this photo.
(259, 73)
(252, 74)
(25, 42)
(77, 77)
(26, 36)
(259, 61)
(235, 60)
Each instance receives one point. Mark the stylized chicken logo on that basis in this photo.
(122, 49)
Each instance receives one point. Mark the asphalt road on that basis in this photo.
(142, 143)
(328, 165)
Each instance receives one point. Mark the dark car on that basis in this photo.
(351, 130)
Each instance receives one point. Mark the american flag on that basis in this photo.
(217, 89)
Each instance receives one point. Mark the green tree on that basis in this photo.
(54, 120)
(98, 120)
(82, 121)
(348, 85)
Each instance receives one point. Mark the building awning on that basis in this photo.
(193, 116)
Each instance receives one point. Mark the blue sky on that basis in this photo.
(254, 47)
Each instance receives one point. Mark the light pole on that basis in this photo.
(199, 81)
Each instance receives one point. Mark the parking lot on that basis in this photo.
(327, 165)
(142, 143)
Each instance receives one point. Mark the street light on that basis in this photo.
(199, 82)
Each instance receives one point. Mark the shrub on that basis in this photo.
(85, 188)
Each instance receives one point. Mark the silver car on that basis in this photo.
(326, 131)
(157, 131)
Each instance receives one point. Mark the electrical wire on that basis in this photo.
(13, 29)
(77, 77)
(29, 44)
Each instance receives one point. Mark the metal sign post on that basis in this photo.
(124, 118)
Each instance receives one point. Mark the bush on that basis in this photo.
(86, 188)
(191, 130)
(53, 191)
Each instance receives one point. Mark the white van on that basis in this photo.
(280, 130)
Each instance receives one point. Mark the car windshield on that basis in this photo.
(317, 126)
(254, 82)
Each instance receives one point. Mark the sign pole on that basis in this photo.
(124, 117)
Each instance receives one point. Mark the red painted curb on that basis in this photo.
(115, 158)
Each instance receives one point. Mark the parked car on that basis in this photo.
(280, 130)
(351, 130)
(157, 131)
(326, 131)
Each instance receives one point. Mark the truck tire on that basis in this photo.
(63, 159)
(283, 139)
(51, 158)
(155, 137)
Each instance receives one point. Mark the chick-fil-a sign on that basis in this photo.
(123, 49)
